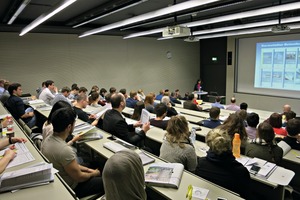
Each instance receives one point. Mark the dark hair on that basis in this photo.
(191, 96)
(275, 120)
(289, 115)
(160, 109)
(112, 90)
(116, 100)
(74, 86)
(12, 87)
(214, 112)
(243, 106)
(82, 89)
(234, 124)
(138, 107)
(218, 99)
(293, 127)
(65, 89)
(81, 97)
(242, 114)
(123, 91)
(48, 82)
(94, 96)
(253, 119)
(108, 98)
(265, 131)
(62, 118)
(95, 88)
(56, 106)
(232, 100)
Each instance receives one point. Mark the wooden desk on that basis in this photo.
(54, 190)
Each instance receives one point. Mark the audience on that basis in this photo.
(48, 93)
(94, 98)
(171, 111)
(244, 106)
(293, 129)
(112, 90)
(189, 104)
(252, 121)
(132, 100)
(123, 91)
(174, 99)
(63, 96)
(220, 166)
(287, 108)
(81, 103)
(115, 124)
(84, 181)
(218, 103)
(95, 88)
(177, 147)
(213, 120)
(16, 106)
(74, 92)
(103, 92)
(286, 116)
(177, 94)
(160, 95)
(275, 121)
(233, 105)
(149, 102)
(161, 113)
(5, 95)
(141, 95)
(139, 106)
(123, 177)
(82, 90)
(264, 146)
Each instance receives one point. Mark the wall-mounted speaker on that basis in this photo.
(229, 58)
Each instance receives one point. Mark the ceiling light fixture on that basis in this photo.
(18, 11)
(45, 16)
(149, 15)
(110, 13)
(251, 13)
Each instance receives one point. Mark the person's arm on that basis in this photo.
(122, 129)
(7, 157)
(5, 142)
(191, 160)
(74, 139)
(80, 173)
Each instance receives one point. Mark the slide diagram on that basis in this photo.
(277, 65)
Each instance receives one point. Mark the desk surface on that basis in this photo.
(54, 190)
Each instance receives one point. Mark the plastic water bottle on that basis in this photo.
(10, 123)
(193, 135)
(236, 145)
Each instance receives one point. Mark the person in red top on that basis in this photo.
(275, 121)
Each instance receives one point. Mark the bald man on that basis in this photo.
(286, 108)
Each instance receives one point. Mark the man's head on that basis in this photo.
(123, 91)
(133, 94)
(161, 110)
(112, 90)
(82, 90)
(218, 99)
(15, 89)
(65, 91)
(287, 108)
(165, 100)
(118, 101)
(243, 106)
(2, 82)
(49, 84)
(293, 127)
(253, 119)
(191, 96)
(232, 100)
(82, 100)
(214, 113)
(63, 120)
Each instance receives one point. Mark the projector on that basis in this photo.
(176, 31)
(280, 28)
(191, 39)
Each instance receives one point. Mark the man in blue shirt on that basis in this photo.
(217, 103)
(213, 121)
(132, 100)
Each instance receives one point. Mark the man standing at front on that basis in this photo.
(115, 123)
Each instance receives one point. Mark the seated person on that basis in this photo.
(141, 94)
(80, 104)
(170, 111)
(233, 105)
(218, 103)
(275, 121)
(252, 121)
(287, 108)
(220, 166)
(115, 124)
(189, 104)
(286, 116)
(94, 98)
(160, 95)
(149, 102)
(132, 100)
(244, 106)
(123, 91)
(16, 106)
(161, 113)
(9, 154)
(95, 88)
(74, 92)
(63, 96)
(293, 129)
(139, 106)
(213, 120)
(123, 176)
(84, 181)
(264, 146)
(177, 147)
(243, 115)
(49, 92)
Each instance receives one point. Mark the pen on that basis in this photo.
(189, 193)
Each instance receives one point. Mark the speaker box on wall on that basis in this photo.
(229, 58)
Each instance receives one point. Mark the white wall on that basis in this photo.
(98, 60)
(269, 103)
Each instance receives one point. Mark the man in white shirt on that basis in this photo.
(47, 94)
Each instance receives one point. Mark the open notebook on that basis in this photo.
(164, 174)
(118, 145)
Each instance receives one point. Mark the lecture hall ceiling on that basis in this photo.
(117, 10)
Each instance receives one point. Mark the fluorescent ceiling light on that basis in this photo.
(110, 13)
(18, 11)
(149, 15)
(46, 16)
(251, 13)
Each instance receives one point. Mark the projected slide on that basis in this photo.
(278, 65)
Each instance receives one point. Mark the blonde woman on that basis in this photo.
(176, 147)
